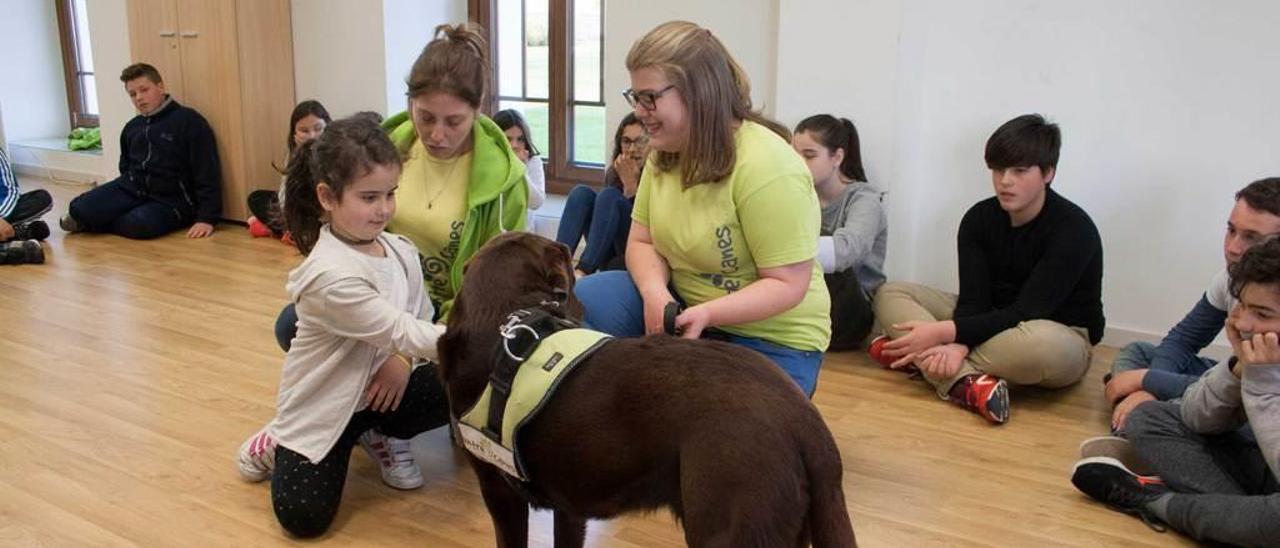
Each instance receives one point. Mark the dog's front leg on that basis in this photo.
(571, 530)
(508, 509)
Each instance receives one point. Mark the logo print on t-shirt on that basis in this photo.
(435, 269)
(728, 262)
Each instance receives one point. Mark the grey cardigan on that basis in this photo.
(860, 231)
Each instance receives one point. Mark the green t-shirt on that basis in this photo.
(714, 236)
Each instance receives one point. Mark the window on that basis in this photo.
(548, 64)
(77, 63)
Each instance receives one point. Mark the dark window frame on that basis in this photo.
(562, 173)
(68, 35)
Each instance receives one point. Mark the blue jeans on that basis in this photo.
(604, 218)
(613, 305)
(1169, 378)
(1139, 355)
(118, 210)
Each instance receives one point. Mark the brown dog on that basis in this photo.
(713, 431)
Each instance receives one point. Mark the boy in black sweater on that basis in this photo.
(1030, 304)
(169, 172)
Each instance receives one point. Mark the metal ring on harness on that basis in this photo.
(508, 334)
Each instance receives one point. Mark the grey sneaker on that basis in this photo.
(69, 224)
(1119, 449)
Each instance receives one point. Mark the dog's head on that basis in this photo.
(517, 270)
(512, 271)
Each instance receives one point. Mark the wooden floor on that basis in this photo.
(131, 371)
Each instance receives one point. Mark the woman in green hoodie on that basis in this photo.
(461, 184)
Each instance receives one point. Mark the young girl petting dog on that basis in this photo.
(362, 317)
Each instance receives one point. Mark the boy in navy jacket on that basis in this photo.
(170, 175)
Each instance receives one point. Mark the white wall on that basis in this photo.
(354, 56)
(109, 27)
(338, 54)
(408, 26)
(749, 29)
(842, 58)
(33, 91)
(1166, 110)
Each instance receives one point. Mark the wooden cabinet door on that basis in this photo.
(211, 84)
(266, 78)
(153, 39)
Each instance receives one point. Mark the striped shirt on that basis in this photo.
(8, 186)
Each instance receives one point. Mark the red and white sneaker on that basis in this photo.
(257, 456)
(876, 351)
(985, 395)
(394, 458)
(257, 228)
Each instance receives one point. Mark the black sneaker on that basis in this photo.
(1106, 480)
(21, 252)
(34, 230)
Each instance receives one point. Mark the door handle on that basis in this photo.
(190, 34)
(168, 33)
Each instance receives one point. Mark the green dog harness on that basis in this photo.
(537, 352)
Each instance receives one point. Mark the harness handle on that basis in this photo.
(669, 314)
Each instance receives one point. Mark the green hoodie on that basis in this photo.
(497, 197)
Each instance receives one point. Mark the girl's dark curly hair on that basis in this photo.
(1259, 265)
(348, 149)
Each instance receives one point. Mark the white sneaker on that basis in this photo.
(394, 458)
(257, 456)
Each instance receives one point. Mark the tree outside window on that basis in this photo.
(547, 57)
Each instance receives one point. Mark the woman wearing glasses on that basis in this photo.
(726, 218)
(604, 218)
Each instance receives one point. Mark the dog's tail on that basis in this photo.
(829, 524)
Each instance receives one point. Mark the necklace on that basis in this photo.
(444, 183)
(349, 240)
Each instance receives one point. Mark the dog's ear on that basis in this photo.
(557, 263)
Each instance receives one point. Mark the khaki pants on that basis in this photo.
(1036, 352)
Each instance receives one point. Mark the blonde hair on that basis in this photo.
(716, 92)
(456, 62)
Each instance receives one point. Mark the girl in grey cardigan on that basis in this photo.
(855, 231)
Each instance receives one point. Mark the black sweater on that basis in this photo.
(170, 156)
(1049, 268)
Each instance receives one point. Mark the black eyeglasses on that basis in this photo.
(637, 142)
(646, 99)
